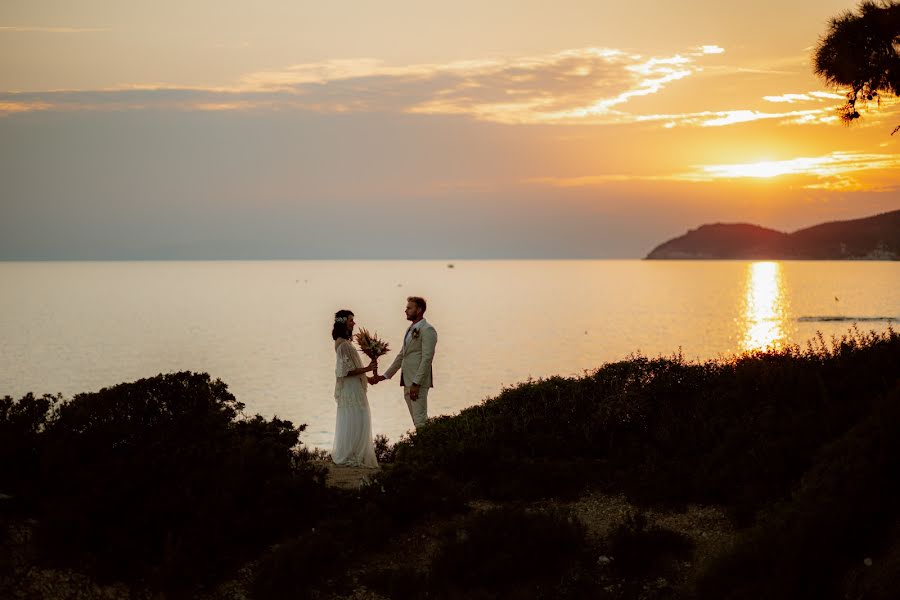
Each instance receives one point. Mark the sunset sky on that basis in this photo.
(488, 129)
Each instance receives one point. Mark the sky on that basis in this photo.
(417, 130)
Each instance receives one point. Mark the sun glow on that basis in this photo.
(765, 316)
(840, 167)
(764, 169)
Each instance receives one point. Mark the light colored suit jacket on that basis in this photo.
(415, 358)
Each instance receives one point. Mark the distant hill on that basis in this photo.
(871, 238)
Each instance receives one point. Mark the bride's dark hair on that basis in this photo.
(340, 329)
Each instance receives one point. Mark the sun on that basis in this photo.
(760, 170)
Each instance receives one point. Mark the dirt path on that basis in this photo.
(348, 478)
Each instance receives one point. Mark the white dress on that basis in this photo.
(353, 444)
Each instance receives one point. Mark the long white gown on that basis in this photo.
(353, 444)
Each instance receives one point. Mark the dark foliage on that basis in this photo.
(316, 561)
(879, 579)
(407, 494)
(400, 582)
(841, 513)
(800, 445)
(508, 548)
(163, 480)
(860, 51)
(639, 549)
(385, 452)
(739, 433)
(534, 480)
(21, 424)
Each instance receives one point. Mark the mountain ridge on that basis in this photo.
(870, 238)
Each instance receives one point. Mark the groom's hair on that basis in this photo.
(420, 302)
(340, 328)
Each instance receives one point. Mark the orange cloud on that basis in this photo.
(8, 108)
(734, 117)
(834, 171)
(585, 85)
(32, 29)
(808, 97)
(831, 171)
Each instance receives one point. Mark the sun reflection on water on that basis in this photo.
(765, 316)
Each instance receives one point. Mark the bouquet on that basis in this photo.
(370, 345)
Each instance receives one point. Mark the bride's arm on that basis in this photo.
(372, 366)
(344, 361)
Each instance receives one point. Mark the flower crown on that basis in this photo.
(340, 319)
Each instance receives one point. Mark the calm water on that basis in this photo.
(264, 327)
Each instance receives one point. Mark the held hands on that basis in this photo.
(375, 379)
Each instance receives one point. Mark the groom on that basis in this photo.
(414, 361)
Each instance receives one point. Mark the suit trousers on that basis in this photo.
(418, 409)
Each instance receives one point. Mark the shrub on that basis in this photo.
(399, 582)
(510, 547)
(736, 432)
(21, 424)
(534, 480)
(639, 549)
(164, 480)
(878, 579)
(317, 560)
(406, 493)
(385, 452)
(841, 513)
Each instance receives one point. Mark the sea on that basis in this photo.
(263, 327)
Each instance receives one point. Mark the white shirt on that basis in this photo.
(408, 339)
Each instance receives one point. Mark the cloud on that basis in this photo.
(834, 171)
(8, 108)
(735, 117)
(588, 180)
(828, 95)
(808, 97)
(585, 85)
(789, 98)
(575, 85)
(831, 171)
(32, 29)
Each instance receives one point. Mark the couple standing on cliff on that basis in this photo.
(353, 442)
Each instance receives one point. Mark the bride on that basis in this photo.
(353, 445)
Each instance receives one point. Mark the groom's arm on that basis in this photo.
(398, 360)
(429, 342)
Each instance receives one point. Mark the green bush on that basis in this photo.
(315, 562)
(21, 425)
(385, 452)
(164, 480)
(880, 578)
(498, 550)
(843, 511)
(400, 582)
(638, 549)
(406, 493)
(739, 432)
